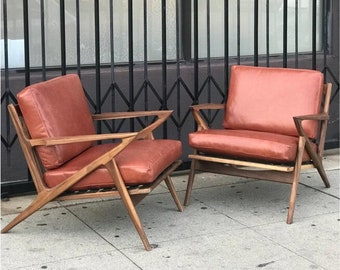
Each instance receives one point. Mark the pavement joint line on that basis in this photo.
(321, 191)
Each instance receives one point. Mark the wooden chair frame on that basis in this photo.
(130, 196)
(285, 173)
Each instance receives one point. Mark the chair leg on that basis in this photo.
(319, 166)
(42, 199)
(323, 175)
(292, 201)
(317, 162)
(296, 176)
(190, 182)
(173, 192)
(124, 194)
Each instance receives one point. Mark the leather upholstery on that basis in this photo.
(266, 99)
(139, 163)
(246, 144)
(53, 108)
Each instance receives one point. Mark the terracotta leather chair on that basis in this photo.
(56, 131)
(275, 122)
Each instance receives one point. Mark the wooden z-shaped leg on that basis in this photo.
(124, 194)
(296, 176)
(317, 162)
(173, 192)
(190, 182)
(42, 199)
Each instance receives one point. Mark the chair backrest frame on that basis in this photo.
(32, 159)
(327, 89)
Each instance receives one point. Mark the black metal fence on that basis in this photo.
(187, 70)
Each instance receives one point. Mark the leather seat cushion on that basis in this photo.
(246, 144)
(140, 162)
(267, 99)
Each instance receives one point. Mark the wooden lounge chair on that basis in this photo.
(275, 122)
(57, 135)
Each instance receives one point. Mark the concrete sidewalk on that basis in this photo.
(231, 223)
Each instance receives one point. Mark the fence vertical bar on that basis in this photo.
(208, 55)
(226, 47)
(112, 64)
(26, 43)
(145, 48)
(130, 60)
(6, 94)
(325, 10)
(324, 37)
(195, 53)
(43, 44)
(314, 35)
(97, 60)
(256, 32)
(267, 33)
(112, 57)
(238, 32)
(78, 37)
(62, 37)
(186, 24)
(296, 33)
(285, 33)
(27, 57)
(164, 66)
(178, 70)
(5, 33)
(112, 43)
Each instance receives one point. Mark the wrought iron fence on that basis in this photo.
(187, 69)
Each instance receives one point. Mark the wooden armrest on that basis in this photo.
(128, 115)
(195, 109)
(320, 116)
(161, 115)
(316, 156)
(316, 117)
(208, 106)
(145, 132)
(80, 138)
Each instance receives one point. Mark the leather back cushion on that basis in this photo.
(54, 108)
(266, 99)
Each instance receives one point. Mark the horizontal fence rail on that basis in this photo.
(158, 54)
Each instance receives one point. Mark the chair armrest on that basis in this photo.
(80, 138)
(128, 115)
(162, 116)
(146, 132)
(316, 117)
(208, 106)
(320, 116)
(195, 109)
(323, 117)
